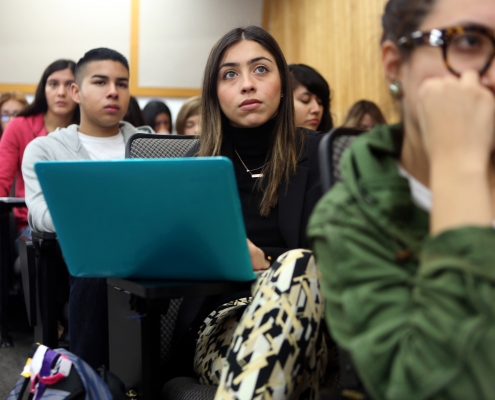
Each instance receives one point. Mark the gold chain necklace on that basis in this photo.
(249, 170)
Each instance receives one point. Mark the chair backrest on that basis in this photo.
(142, 145)
(330, 152)
(145, 145)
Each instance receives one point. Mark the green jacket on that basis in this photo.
(416, 313)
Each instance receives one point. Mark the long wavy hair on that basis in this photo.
(286, 143)
(316, 84)
(40, 105)
(359, 110)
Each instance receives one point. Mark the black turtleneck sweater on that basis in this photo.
(252, 146)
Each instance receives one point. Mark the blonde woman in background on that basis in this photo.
(364, 114)
(11, 104)
(188, 119)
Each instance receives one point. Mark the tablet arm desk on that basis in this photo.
(134, 311)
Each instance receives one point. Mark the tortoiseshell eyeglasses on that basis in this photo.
(463, 47)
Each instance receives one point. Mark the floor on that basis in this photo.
(13, 359)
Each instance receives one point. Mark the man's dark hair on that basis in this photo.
(100, 54)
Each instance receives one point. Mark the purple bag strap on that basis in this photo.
(45, 370)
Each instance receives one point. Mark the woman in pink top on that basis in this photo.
(52, 107)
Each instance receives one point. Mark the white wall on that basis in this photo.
(35, 33)
(175, 36)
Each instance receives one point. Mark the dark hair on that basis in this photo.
(316, 84)
(39, 104)
(402, 17)
(359, 110)
(152, 109)
(99, 54)
(287, 141)
(134, 114)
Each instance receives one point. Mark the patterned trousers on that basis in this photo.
(269, 346)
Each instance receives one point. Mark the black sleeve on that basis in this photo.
(272, 253)
(313, 186)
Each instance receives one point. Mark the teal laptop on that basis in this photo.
(177, 219)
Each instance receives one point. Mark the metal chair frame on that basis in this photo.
(330, 152)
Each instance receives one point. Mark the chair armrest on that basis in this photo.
(162, 289)
(28, 273)
(325, 162)
(8, 203)
(44, 235)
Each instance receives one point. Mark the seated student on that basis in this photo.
(311, 98)
(365, 115)
(158, 116)
(406, 242)
(52, 107)
(187, 122)
(101, 89)
(266, 343)
(11, 104)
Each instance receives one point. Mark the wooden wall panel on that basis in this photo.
(339, 38)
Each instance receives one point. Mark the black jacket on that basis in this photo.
(296, 202)
(303, 192)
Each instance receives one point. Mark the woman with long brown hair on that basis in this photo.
(52, 108)
(267, 342)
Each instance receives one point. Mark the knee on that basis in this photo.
(300, 261)
(290, 270)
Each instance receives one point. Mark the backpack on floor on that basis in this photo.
(60, 375)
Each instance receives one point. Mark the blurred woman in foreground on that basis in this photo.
(406, 242)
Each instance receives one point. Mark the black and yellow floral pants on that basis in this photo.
(271, 345)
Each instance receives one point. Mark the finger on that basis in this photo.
(470, 77)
